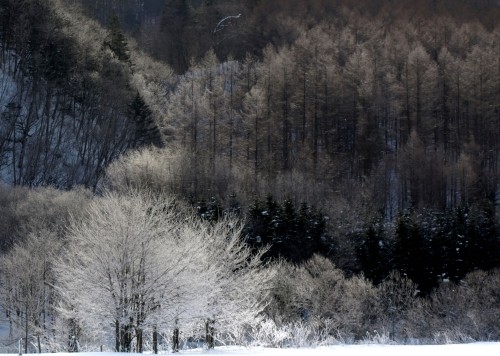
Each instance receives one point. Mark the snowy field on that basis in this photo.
(475, 349)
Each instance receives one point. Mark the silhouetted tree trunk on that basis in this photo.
(209, 333)
(155, 340)
(175, 339)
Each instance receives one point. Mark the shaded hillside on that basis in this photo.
(74, 95)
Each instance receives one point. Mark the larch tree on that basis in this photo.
(422, 76)
(254, 104)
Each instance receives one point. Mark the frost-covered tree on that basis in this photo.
(237, 298)
(397, 295)
(27, 288)
(136, 264)
(118, 254)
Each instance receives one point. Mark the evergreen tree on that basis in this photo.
(116, 41)
(372, 252)
(293, 235)
(412, 255)
(482, 238)
(146, 129)
(211, 211)
(457, 244)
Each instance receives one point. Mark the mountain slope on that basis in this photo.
(73, 104)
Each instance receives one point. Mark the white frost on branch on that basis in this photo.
(136, 263)
(222, 23)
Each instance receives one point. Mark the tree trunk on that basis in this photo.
(285, 128)
(72, 341)
(231, 122)
(175, 340)
(117, 336)
(209, 334)
(138, 333)
(127, 338)
(26, 328)
(155, 340)
(39, 343)
(408, 116)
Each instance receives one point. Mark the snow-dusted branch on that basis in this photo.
(135, 263)
(226, 21)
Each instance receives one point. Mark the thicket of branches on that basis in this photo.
(127, 271)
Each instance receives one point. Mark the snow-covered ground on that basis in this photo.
(475, 349)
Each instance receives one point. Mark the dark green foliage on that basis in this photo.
(117, 42)
(430, 246)
(462, 240)
(147, 132)
(456, 244)
(483, 237)
(412, 252)
(373, 251)
(292, 235)
(210, 211)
